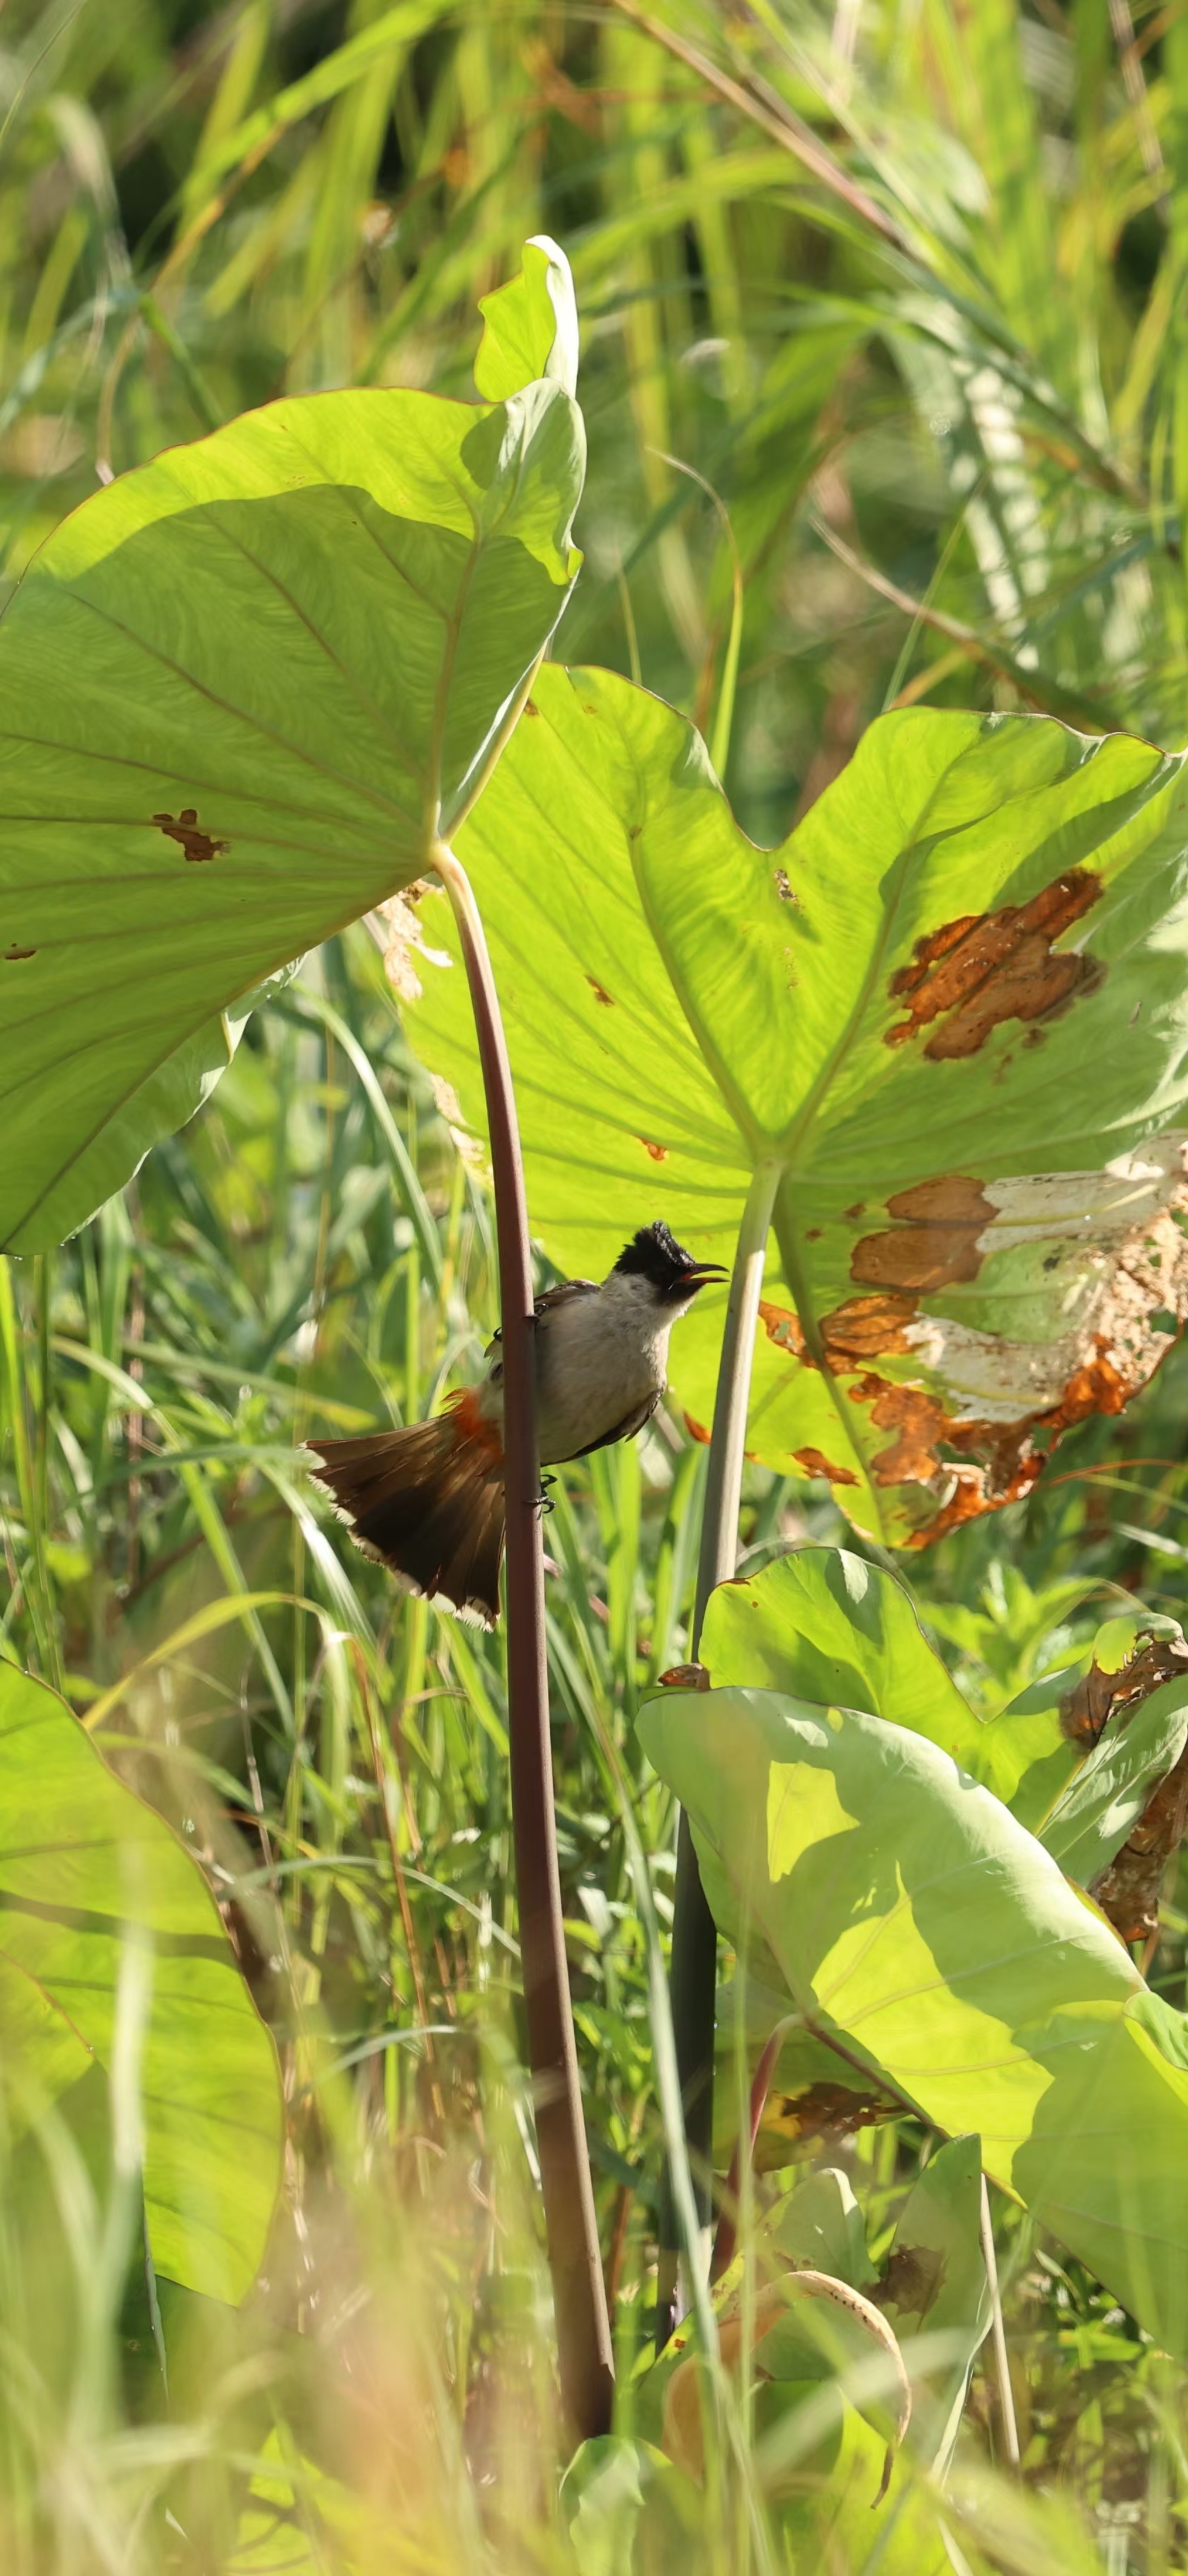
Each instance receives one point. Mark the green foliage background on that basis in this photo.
(904, 286)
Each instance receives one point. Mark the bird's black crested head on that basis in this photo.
(655, 1255)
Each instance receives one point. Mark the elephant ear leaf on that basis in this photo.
(923, 1934)
(1093, 1761)
(946, 1018)
(243, 690)
(90, 1875)
(822, 1624)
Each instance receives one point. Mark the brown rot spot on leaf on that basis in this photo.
(814, 1464)
(686, 1677)
(918, 1422)
(195, 844)
(963, 1416)
(818, 2108)
(782, 1326)
(865, 1328)
(1097, 1386)
(976, 1466)
(852, 1214)
(985, 968)
(1006, 1474)
(934, 1240)
(783, 886)
(1127, 1890)
(600, 993)
(659, 1153)
(1085, 1709)
(15, 956)
(696, 1429)
(530, 709)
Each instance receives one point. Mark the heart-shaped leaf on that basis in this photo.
(85, 1870)
(1078, 1763)
(947, 1017)
(242, 692)
(916, 1923)
(822, 1624)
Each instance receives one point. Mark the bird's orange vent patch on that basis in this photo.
(474, 1425)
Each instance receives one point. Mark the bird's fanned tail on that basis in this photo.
(427, 1502)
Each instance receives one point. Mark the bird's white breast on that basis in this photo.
(600, 1357)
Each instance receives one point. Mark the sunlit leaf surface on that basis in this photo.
(242, 691)
(949, 1013)
(914, 1921)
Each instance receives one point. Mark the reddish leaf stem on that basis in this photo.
(583, 2329)
(724, 2241)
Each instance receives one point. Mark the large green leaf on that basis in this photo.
(86, 1869)
(242, 691)
(950, 1014)
(915, 1921)
(822, 1624)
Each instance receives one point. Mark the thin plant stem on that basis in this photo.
(693, 1975)
(742, 2161)
(1002, 2376)
(583, 2328)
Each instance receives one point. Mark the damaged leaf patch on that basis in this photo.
(196, 846)
(814, 1463)
(972, 1424)
(934, 1241)
(782, 1326)
(977, 972)
(821, 2110)
(1127, 1889)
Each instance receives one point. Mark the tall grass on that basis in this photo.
(903, 285)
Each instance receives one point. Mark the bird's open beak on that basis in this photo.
(702, 1275)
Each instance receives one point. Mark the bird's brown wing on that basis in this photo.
(564, 1290)
(626, 1429)
(558, 1296)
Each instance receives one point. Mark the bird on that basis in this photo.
(428, 1501)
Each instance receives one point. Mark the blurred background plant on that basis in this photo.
(884, 337)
